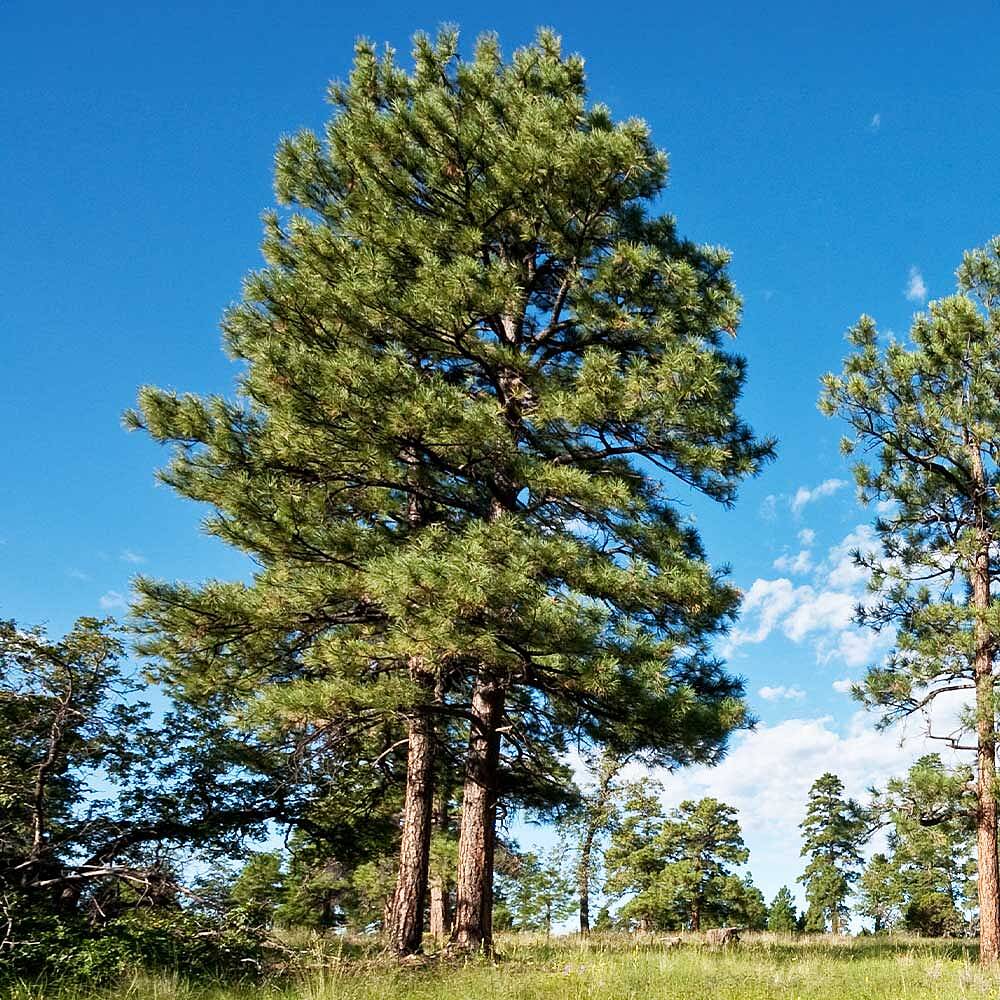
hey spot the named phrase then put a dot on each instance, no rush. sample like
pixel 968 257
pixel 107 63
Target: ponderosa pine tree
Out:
pixel 678 868
pixel 932 811
pixel 782 916
pixel 929 411
pixel 832 835
pixel 879 892
pixel 472 359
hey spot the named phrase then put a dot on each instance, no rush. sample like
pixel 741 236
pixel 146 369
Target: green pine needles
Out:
pixel 476 368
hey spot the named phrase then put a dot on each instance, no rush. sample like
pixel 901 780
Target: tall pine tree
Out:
pixel 472 360
pixel 832 835
pixel 927 411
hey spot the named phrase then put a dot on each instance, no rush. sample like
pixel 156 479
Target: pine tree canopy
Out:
pixel 926 410
pixel 475 368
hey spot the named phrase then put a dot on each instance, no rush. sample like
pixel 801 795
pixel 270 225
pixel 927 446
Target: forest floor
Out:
pixel 614 967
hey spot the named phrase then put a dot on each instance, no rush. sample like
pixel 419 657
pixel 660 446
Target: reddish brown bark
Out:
pixel 986 739
pixel 473 930
pixel 406 914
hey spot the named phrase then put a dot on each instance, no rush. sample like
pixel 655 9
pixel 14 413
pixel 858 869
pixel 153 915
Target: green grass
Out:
pixel 611 967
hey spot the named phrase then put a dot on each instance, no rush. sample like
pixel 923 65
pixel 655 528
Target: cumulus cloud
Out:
pixel 799 563
pixel 916 290
pixel 804 496
pixel 112 600
pixel 807 536
pixel 820 611
pixel 767 601
pixel 781 693
pixel 843 685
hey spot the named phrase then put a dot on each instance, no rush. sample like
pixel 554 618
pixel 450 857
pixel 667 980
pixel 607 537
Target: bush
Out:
pixel 58 948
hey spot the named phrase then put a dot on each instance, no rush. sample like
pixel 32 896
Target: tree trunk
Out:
pixel 440 920
pixel 986 812
pixel 583 879
pixel 835 919
pixel 406 921
pixel 473 930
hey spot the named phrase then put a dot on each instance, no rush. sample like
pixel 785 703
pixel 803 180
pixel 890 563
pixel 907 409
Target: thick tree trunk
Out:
pixel 440 919
pixel 986 812
pixel 406 920
pixel 473 930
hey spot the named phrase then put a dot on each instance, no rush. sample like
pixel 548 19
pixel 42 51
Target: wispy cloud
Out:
pixel 129 556
pixel 876 123
pixel 916 290
pixel 78 574
pixel 804 496
pixel 781 693
pixel 807 536
pixel 113 601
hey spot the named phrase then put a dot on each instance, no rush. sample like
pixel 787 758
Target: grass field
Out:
pixel 612 967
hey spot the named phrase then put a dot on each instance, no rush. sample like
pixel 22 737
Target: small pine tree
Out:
pixel 782 916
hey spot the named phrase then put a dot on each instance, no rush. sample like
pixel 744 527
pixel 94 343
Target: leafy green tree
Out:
pixel 591 821
pixel 677 868
pixel 259 889
pixel 783 915
pixel 97 794
pixel 633 858
pixel 741 904
pixel 471 358
pixel 932 812
pixel 604 922
pixel 832 835
pixel 318 890
pixel 880 892
pixel 927 410
pixel 538 892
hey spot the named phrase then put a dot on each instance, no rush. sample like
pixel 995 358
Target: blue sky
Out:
pixel 846 155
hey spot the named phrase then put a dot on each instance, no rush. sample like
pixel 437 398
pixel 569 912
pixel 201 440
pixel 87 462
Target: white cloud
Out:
pixel 876 123
pixel 768 600
pixel 799 563
pixel 916 290
pixel 768 507
pixel 113 600
pixel 806 537
pixel 132 557
pixel 821 610
pixel 825 611
pixel 839 566
pixel 77 574
pixel 781 693
pixel 844 685
pixel 805 496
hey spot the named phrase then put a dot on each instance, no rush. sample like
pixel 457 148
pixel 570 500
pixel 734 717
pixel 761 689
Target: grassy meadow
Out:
pixel 605 967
